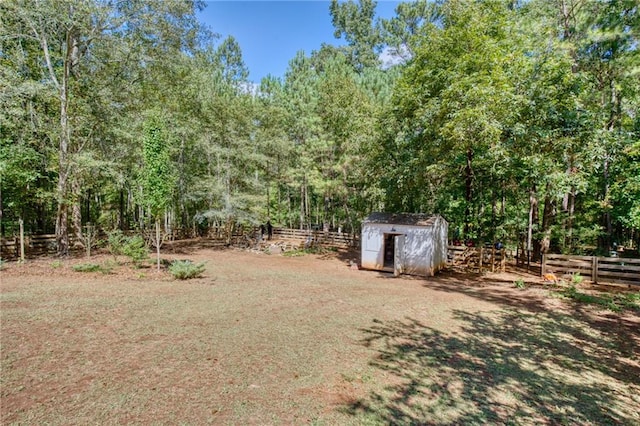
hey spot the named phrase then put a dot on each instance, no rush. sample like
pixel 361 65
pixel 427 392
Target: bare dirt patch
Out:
pixel 265 339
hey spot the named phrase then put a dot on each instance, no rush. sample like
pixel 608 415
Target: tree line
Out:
pixel 516 120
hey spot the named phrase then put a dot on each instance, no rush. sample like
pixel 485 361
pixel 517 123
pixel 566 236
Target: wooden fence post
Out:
pixel 594 269
pixel 21 222
pixel 493 258
pixel 543 266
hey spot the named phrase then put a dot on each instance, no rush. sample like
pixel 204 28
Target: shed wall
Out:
pixel 425 247
pixel 418 247
pixel 440 237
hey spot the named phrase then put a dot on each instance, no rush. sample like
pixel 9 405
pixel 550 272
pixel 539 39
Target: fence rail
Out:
pixel 614 270
pixel 321 238
pixel 38 245
pixel 34 245
pixel 477 258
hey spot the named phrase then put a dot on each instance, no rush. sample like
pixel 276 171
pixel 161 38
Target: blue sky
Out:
pixel 271 32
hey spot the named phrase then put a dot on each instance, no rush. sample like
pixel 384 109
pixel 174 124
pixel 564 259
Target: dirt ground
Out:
pixel 268 339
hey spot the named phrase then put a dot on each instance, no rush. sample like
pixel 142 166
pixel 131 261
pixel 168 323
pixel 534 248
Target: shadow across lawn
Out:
pixel 507 366
pixel 622 329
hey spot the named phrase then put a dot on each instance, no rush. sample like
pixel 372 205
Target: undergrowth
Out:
pixel 613 302
pixel 132 247
pixel 519 283
pixel 185 269
pixel 87 267
pixel 93 267
pixel 310 250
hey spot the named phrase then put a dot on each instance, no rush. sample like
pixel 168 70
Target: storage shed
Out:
pixel 404 243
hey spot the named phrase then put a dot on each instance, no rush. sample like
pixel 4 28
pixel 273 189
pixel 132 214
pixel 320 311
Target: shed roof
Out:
pixel 416 219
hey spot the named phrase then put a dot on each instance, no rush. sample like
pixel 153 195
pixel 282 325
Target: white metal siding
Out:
pixel 425 247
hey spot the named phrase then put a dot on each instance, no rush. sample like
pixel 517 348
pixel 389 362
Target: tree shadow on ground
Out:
pixel 623 328
pixel 501 367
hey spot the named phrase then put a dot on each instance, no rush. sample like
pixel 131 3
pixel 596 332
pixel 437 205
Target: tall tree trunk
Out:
pixel 548 216
pixel 494 213
pixel 62 221
pixel 1 209
pixel 76 213
pixel 302 210
pixel 612 123
pixel 268 200
pixel 62 233
pixel 607 208
pixel 121 215
pixel 158 242
pixel 468 192
pixel 533 216
pixel 568 206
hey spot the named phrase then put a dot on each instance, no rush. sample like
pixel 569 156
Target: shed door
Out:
pixel 398 258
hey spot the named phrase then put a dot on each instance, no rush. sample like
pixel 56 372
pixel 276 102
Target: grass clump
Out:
pixel 519 283
pixel 87 267
pixel 56 264
pixel 185 269
pixel 308 250
pixel 576 278
pixel 93 267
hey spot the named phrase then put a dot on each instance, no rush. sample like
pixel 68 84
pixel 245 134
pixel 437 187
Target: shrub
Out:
pixel 135 249
pixel 115 243
pixel 185 269
pixel 132 247
pixel 576 279
pixel 87 267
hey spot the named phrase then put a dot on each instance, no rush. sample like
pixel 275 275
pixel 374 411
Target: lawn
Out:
pixel 267 339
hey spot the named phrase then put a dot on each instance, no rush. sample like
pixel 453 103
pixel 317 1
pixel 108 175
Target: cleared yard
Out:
pixel 265 339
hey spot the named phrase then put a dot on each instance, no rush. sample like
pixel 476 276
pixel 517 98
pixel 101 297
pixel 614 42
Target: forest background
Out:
pixel 516 120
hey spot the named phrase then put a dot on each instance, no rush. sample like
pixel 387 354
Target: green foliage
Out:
pixel 185 269
pixel 615 302
pixel 355 22
pixel 56 264
pixel 87 267
pixel 576 279
pixel 157 179
pixel 491 107
pixel 133 247
pixel 310 250
pixel 630 300
pixel 519 283
pixel 115 242
pixel 106 268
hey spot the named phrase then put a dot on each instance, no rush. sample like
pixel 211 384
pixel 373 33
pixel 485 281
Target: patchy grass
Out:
pixel 615 302
pixel 305 340
pixel 519 283
pixel 105 268
pixel 86 267
pixel 503 367
pixel 310 250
